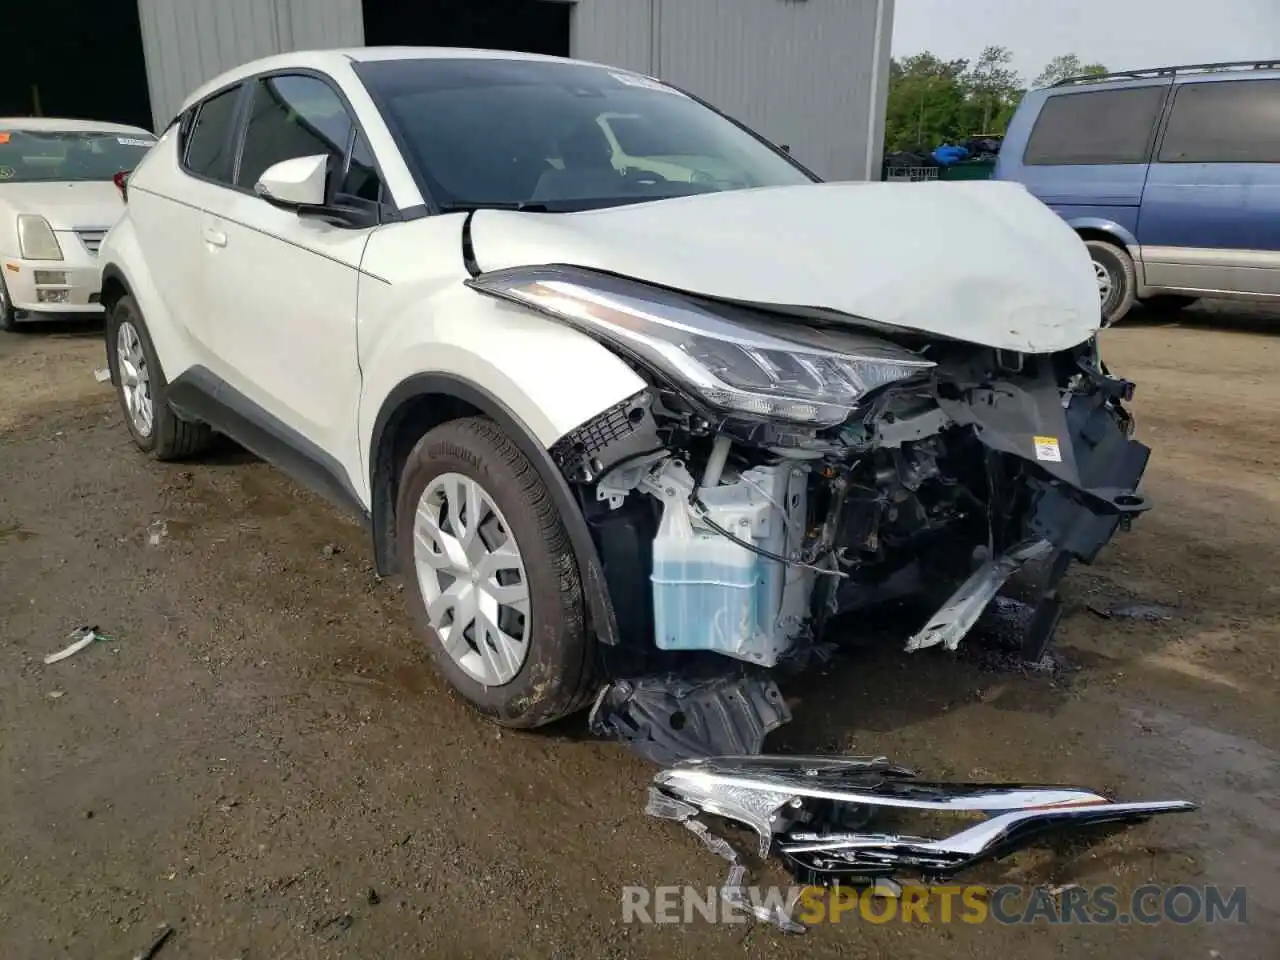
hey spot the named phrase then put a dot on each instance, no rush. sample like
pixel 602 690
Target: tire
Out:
pixel 8 319
pixel 168 437
pixel 554 679
pixel 1121 276
pixel 1168 302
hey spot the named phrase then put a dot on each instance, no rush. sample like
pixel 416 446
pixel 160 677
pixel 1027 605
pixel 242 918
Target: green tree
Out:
pixel 992 86
pixel 1065 67
pixel 926 102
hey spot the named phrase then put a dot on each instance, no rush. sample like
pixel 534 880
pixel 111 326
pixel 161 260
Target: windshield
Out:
pixel 561 135
pixel 31 156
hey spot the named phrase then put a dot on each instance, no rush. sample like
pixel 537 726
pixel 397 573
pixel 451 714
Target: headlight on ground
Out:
pixel 732 364
pixel 36 240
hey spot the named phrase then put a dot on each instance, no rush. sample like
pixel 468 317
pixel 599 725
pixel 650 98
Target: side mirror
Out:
pixel 295 184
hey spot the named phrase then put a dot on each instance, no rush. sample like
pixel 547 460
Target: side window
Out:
pixel 299 116
pixel 1229 121
pixel 1097 126
pixel 208 144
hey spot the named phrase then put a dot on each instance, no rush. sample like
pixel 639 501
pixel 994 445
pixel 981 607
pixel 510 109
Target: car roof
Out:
pixel 49 124
pixel 334 61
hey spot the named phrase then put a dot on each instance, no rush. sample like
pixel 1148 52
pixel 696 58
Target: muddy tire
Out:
pixel 1117 279
pixel 143 391
pixel 491 577
pixel 8 317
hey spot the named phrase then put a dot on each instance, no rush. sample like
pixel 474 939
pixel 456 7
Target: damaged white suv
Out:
pixel 615 382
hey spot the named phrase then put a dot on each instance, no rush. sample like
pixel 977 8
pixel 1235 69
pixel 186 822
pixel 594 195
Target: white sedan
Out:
pixel 613 400
pixel 60 192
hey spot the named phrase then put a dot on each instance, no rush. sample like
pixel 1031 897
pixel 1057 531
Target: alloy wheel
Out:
pixel 135 379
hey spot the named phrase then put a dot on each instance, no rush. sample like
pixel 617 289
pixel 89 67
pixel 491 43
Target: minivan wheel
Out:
pixel 491 576
pixel 1117 279
pixel 143 390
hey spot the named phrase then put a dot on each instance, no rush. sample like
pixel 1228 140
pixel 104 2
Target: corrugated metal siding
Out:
pixel 811 74
pixel 188 42
pixel 616 32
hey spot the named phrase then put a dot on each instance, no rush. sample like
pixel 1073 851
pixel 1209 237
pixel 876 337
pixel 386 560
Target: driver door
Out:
pixel 281 288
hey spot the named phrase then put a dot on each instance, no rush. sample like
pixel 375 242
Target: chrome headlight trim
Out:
pixel 734 367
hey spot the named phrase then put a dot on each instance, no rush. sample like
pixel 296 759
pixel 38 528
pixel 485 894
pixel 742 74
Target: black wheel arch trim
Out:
pixel 112 272
pixel 382 483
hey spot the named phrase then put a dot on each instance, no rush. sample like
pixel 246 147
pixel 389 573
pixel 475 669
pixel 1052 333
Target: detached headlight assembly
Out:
pixel 36 240
pixel 731 366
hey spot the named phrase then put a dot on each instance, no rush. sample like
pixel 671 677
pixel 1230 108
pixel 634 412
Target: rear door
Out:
pixel 1086 154
pixel 1211 212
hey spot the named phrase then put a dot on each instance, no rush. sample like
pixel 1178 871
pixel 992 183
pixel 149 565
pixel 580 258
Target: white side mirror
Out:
pixel 299 182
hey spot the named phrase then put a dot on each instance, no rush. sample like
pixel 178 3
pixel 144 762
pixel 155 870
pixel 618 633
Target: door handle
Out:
pixel 215 238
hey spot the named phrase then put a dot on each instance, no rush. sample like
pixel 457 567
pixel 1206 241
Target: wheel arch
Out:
pixel 424 401
pixel 115 285
pixel 1096 228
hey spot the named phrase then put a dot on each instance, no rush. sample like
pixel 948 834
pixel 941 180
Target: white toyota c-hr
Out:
pixel 617 384
pixel 59 193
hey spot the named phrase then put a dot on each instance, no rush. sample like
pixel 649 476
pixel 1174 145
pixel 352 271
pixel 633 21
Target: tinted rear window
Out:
pixel 1231 121
pixel 1096 126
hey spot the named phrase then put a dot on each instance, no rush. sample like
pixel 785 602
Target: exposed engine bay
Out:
pixel 804 468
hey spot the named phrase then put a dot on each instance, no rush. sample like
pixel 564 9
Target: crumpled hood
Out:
pixel 93 205
pixel 981 261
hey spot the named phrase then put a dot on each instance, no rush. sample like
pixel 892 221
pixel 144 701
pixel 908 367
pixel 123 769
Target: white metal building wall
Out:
pixel 812 74
pixel 187 42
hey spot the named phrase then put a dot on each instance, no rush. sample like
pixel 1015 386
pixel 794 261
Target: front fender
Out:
pixel 552 377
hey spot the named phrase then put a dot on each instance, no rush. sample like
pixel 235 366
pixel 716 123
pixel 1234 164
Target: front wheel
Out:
pixel 491 576
pixel 1117 280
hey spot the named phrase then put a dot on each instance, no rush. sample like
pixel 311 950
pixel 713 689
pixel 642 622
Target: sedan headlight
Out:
pixel 36 240
pixel 731 364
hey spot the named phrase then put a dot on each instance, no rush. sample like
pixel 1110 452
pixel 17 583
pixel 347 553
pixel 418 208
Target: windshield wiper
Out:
pixel 465 206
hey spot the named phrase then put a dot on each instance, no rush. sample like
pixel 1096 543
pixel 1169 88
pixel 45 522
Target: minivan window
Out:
pixel 1229 121
pixel 208 147
pixel 1095 126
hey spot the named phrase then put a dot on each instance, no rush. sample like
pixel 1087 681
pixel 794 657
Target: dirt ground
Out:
pixel 262 758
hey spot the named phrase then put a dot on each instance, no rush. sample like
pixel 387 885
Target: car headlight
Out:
pixel 36 240
pixel 731 364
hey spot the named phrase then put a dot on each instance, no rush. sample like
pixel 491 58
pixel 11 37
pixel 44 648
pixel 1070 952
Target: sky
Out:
pixel 1120 34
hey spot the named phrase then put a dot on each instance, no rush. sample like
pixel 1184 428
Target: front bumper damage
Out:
pixel 819 815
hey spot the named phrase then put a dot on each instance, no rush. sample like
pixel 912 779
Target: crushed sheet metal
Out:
pixel 958 615
pixel 815 813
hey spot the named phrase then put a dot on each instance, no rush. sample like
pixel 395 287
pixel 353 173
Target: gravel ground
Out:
pixel 262 758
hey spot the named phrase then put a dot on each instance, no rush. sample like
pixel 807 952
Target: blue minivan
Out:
pixel 1171 177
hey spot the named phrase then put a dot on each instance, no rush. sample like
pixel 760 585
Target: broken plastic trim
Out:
pixel 667 718
pixel 812 811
